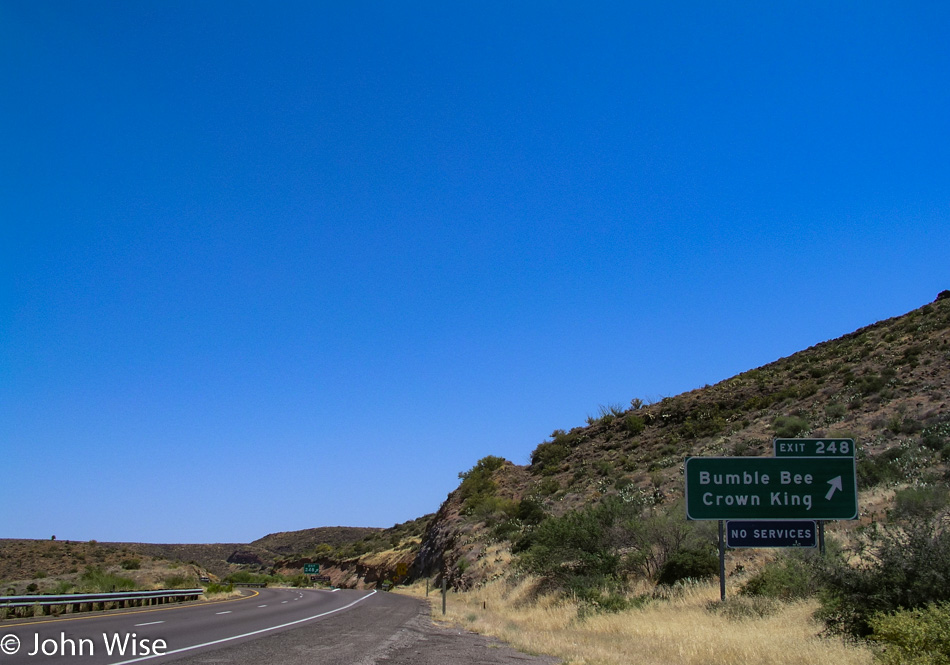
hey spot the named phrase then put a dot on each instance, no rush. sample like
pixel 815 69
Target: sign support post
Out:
pixel 722 564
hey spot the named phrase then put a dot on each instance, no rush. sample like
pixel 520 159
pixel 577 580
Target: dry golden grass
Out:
pixel 679 631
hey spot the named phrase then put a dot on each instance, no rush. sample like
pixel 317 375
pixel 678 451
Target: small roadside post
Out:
pixel 722 564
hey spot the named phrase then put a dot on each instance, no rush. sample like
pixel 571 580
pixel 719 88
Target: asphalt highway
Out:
pixel 169 632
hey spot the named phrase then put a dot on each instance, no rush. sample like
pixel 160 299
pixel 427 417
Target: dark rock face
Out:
pixel 245 557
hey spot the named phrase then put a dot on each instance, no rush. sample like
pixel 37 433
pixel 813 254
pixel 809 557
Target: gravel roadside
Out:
pixel 387 629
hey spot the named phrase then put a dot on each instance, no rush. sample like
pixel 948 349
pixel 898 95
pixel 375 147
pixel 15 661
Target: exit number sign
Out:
pixel 814 447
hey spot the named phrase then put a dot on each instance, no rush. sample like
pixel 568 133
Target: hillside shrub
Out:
pixel 634 424
pixel 131 564
pixel 577 550
pixel 247 577
pixel 920 503
pixel 477 485
pixel 790 577
pixel 789 427
pixel 547 456
pixel 97 580
pixel 904 567
pixel 178 582
pixel 914 637
pixel 214 587
pixel 879 469
pixel 689 564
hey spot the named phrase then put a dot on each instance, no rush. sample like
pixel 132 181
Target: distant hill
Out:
pixel 295 542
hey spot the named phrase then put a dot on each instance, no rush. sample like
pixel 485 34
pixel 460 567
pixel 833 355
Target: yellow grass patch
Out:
pixel 679 631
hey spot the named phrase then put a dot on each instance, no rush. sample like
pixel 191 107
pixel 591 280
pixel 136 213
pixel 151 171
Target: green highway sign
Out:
pixel 311 568
pixel 814 447
pixel 771 488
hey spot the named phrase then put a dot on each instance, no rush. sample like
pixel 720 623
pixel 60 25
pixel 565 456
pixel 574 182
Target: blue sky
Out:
pixel 271 266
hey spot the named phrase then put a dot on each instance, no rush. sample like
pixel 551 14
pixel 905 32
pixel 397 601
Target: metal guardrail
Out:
pixel 259 585
pixel 116 599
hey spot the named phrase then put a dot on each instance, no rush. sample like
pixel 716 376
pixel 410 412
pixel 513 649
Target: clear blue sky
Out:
pixel 341 251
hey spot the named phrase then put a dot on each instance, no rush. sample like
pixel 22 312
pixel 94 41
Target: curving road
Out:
pixel 279 626
pixel 138 635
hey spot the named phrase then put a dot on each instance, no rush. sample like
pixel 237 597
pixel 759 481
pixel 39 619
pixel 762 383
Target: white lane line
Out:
pixel 253 632
pixel 284 602
pixel 150 623
pixel 262 605
pixel 228 612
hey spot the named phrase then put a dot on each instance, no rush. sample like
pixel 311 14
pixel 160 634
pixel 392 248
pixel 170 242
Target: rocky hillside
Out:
pixel 887 386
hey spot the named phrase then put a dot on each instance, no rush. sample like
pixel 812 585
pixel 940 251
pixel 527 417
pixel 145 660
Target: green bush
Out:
pixel 905 568
pixel 530 511
pixel 577 550
pixel 247 577
pixel 634 424
pixel 178 582
pixel 689 564
pixel 789 427
pixel 477 484
pixel 836 410
pixel 916 503
pixel 914 637
pixel 548 456
pixel 131 564
pixel 214 587
pixel 300 580
pixel 880 469
pixel 97 580
pixel 743 608
pixel 790 577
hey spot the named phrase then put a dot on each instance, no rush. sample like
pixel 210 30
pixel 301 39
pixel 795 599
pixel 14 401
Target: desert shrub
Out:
pixel 742 608
pixel 247 577
pixel 914 637
pixel 477 484
pixel 492 509
pixel 131 564
pixel 790 577
pixel 95 580
pixel 580 549
pixel 634 424
pixel 178 582
pixel 836 410
pixel 214 587
pixel 691 564
pixel 548 456
pixel 903 568
pixel 879 469
pixel 530 511
pixel 923 502
pixel 789 427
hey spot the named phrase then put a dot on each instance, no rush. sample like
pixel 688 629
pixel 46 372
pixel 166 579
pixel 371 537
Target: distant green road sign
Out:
pixel 771 488
pixel 814 447
pixel 311 568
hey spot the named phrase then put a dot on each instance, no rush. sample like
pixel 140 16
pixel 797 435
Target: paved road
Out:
pixel 280 626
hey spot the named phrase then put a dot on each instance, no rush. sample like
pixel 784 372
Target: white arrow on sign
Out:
pixel 835 485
